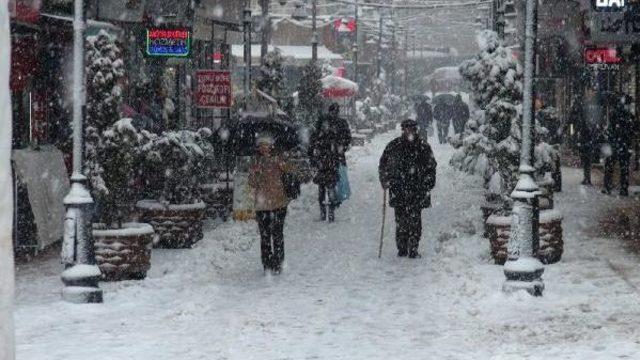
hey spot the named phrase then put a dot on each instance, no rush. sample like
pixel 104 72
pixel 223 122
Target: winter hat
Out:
pixel 409 123
pixel 265 138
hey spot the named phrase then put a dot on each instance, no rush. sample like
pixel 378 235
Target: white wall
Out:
pixel 6 203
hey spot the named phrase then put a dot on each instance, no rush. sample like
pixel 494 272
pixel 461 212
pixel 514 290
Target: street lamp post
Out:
pixel 81 273
pixel 246 30
pixel 314 39
pixel 266 30
pixel 355 46
pixel 523 271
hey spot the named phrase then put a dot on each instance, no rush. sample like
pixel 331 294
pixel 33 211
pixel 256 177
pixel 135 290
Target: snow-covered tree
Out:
pixel 104 69
pixel 271 80
pixel 490 145
pixel 310 100
pixel 180 159
pixel 117 157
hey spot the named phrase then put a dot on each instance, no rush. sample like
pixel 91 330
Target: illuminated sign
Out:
pixel 601 56
pixel 168 42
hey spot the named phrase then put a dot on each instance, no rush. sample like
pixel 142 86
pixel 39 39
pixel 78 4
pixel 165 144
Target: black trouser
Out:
pixel 586 159
pixel 443 130
pixel 271 226
pixel 622 157
pixel 408 228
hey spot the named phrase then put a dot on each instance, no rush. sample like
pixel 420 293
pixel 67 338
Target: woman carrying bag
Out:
pixel 269 177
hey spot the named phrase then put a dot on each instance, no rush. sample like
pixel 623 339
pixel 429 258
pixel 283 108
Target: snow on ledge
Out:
pixel 154 205
pixel 81 271
pixel 128 229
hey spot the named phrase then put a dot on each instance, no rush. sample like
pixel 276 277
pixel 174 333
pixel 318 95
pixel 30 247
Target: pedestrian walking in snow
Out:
pixel 442 115
pixel 587 118
pixel 408 170
pixel 266 178
pixel 329 142
pixel 619 134
pixel 460 115
pixel 424 118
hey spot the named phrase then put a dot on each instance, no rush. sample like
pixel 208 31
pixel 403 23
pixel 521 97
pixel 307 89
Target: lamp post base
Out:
pixel 81 284
pixel 524 274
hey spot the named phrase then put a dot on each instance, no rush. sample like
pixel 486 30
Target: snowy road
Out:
pixel 336 300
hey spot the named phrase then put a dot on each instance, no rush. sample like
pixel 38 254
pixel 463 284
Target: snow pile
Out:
pixel 490 144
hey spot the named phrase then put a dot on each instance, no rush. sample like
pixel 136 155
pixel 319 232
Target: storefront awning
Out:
pixel 93 26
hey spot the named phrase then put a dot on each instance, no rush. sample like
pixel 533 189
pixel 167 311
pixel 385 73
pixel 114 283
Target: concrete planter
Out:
pixel 123 254
pixel 550 233
pixel 176 226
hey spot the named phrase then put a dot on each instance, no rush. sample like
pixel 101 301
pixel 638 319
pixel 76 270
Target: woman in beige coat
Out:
pixel 265 177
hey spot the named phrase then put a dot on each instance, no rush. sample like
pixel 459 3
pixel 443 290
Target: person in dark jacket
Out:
pixel 587 118
pixel 460 115
pixel 424 118
pixel 408 170
pixel 442 115
pixel 619 135
pixel 328 144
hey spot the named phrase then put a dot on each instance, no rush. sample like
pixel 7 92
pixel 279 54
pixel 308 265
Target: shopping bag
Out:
pixel 343 189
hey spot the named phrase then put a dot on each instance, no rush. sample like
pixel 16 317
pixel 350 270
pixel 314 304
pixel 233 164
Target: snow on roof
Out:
pixel 445 73
pixel 288 51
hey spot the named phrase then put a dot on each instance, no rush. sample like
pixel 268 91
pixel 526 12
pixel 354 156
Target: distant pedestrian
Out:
pixel 460 114
pixel 442 115
pixel 619 134
pixel 424 118
pixel 266 178
pixel 408 170
pixel 586 116
pixel 329 142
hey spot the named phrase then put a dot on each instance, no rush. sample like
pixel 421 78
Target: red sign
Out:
pixel 213 89
pixel 601 56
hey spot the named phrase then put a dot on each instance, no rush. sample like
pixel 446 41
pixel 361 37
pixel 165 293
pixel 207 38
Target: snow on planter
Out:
pixel 124 253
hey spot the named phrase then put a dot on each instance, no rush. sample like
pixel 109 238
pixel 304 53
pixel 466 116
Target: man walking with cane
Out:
pixel 408 170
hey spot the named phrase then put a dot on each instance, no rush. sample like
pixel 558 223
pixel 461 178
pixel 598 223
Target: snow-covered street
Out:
pixel 336 300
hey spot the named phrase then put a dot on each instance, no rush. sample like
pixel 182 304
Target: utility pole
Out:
pixel 499 23
pixel 394 57
pixel 266 30
pixel 355 46
pixel 523 270
pixel 406 62
pixel 81 273
pixel 314 40
pixel 379 54
pixel 246 30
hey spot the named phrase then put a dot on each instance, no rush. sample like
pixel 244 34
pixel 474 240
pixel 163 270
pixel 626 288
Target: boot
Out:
pixel 323 212
pixel 332 213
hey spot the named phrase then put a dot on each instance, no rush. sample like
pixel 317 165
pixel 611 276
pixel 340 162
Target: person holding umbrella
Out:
pixel 408 170
pixel 329 142
pixel 266 178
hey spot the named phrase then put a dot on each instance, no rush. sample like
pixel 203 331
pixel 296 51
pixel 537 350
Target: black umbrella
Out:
pixel 244 134
pixel 444 99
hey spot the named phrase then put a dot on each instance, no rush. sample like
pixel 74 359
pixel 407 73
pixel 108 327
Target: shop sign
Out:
pixel 608 5
pixel 213 89
pixel 601 56
pixel 615 27
pixel 168 42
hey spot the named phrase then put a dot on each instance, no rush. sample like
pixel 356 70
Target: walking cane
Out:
pixel 384 217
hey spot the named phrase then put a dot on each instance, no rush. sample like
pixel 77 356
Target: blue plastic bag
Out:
pixel 343 189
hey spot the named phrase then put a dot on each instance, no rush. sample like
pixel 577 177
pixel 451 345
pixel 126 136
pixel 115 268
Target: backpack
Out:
pixel 291 185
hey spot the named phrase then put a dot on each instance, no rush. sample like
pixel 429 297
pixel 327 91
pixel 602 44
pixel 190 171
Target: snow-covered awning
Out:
pixel 93 26
pixel 292 54
pixel 334 87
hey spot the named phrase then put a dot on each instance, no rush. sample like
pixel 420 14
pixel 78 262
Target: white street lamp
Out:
pixel 523 270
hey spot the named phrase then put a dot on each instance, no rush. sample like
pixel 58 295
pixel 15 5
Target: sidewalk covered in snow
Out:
pixel 337 300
